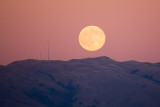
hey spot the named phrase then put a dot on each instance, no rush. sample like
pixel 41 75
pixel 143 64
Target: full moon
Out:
pixel 92 38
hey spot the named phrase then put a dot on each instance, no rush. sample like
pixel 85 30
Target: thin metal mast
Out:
pixel 48 50
pixel 40 56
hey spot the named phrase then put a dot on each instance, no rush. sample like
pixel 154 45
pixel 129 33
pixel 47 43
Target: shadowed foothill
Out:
pixel 89 82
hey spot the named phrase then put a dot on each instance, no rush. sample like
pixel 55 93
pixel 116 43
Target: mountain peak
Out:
pixel 101 58
pixel 87 82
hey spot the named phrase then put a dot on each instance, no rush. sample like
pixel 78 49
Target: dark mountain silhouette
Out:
pixel 1 66
pixel 90 82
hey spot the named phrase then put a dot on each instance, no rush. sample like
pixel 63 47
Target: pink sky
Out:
pixel 132 29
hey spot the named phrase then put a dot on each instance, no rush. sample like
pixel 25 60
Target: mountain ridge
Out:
pixel 91 58
pixel 88 82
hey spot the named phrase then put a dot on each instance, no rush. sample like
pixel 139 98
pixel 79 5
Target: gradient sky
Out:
pixel 132 29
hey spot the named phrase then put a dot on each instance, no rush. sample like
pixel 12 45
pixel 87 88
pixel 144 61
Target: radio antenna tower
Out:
pixel 40 56
pixel 48 50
